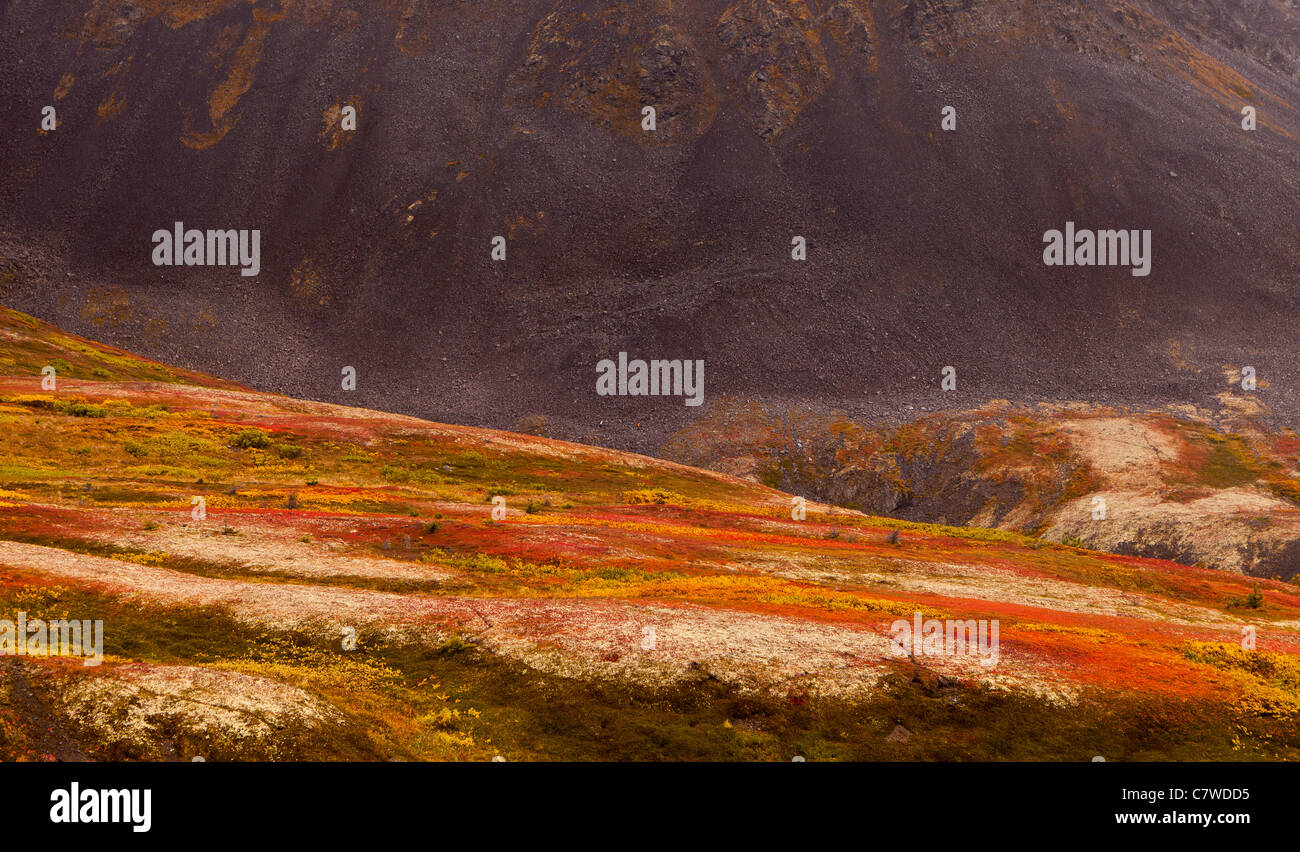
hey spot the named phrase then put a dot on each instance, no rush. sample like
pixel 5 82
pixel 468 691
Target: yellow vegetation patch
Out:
pixel 1269 683
pixel 1035 627
pixel 151 558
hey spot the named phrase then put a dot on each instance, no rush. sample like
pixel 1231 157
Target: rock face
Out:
pixel 774 119
pixel 899 735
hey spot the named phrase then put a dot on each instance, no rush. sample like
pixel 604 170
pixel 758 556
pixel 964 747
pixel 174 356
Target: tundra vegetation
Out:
pixel 354 598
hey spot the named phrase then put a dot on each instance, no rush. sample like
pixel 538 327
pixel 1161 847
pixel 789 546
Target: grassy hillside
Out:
pixel 345 592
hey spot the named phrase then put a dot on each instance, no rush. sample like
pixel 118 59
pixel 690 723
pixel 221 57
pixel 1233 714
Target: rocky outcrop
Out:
pixel 1188 486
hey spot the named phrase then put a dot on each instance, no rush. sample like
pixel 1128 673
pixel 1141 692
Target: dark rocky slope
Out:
pixel 775 118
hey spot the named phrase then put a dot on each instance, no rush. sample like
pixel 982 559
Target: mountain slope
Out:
pixel 616 606
pixel 775 118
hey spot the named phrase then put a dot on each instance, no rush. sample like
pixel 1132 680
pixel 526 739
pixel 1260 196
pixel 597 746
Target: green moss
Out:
pixel 1229 464
pixel 251 439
